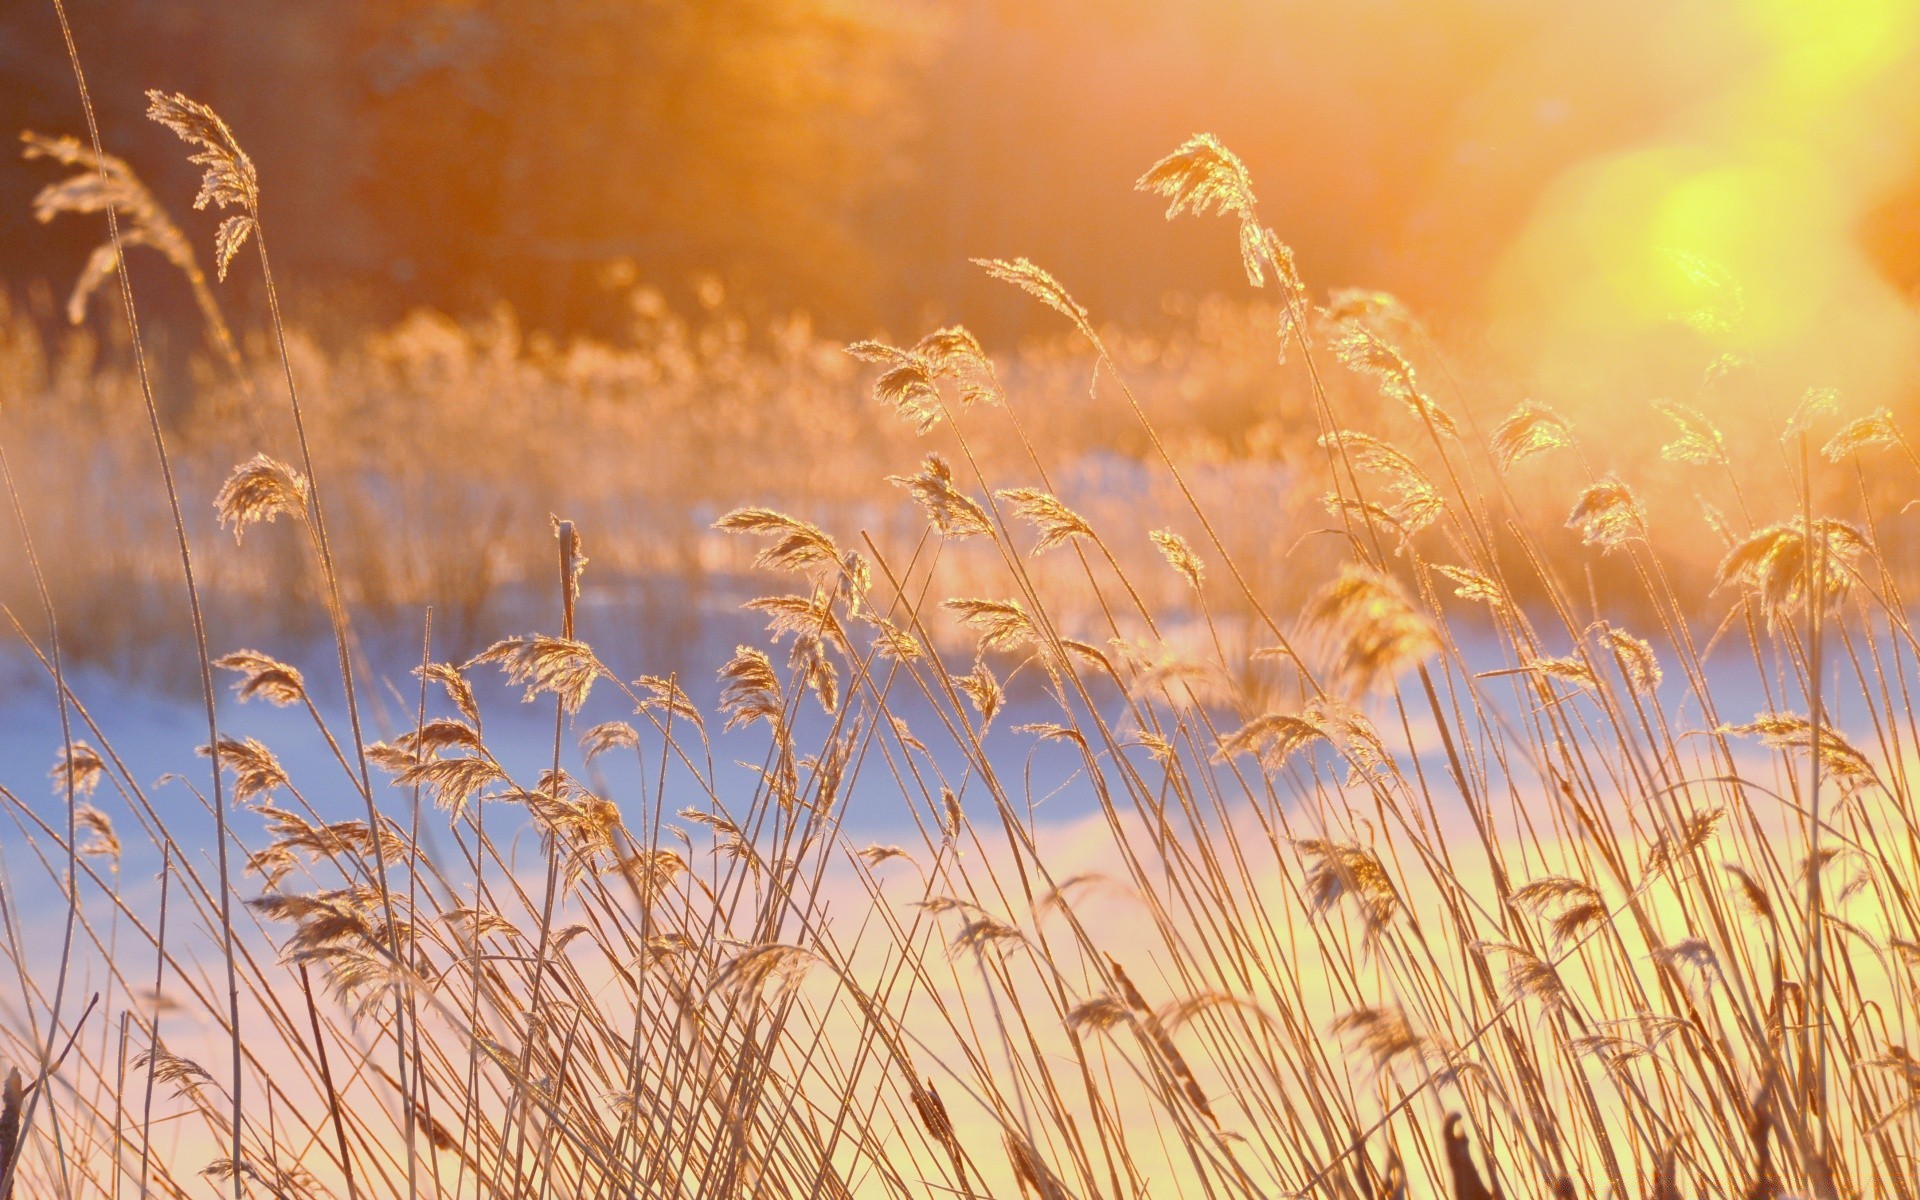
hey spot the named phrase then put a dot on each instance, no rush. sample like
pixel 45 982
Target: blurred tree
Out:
pixel 520 146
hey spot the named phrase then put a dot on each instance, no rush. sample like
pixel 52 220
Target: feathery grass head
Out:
pixel 229 180
pixel 1784 566
pixel 1608 515
pixel 910 383
pixel 1341 871
pixel 1180 556
pixel 1043 287
pixel 263 678
pixel 561 666
pixel 105 182
pixel 1057 523
pixel 256 772
pixel 954 513
pixel 78 768
pixel 796 545
pixel 1528 430
pixel 1700 442
pixel 1363 350
pixel 1375 631
pixel 1862 433
pixel 261 489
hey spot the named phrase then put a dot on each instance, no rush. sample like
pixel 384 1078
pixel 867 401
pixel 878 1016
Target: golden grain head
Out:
pixel 1338 871
pixel 562 667
pixel 1382 1033
pixel 1375 632
pixel 981 687
pixel 97 828
pixel 1608 515
pixel 1180 556
pixel 607 737
pixel 750 689
pixel 453 782
pixel 954 513
pixel 1529 430
pixel 1272 737
pixel 1862 433
pixel 1472 585
pixel 79 769
pixel 1361 349
pixel 1202 176
pixel 229 179
pixel 1788 731
pixel 796 545
pixel 454 682
pixel 1041 286
pixel 1001 624
pixel 1700 442
pixel 1057 523
pixel 263 678
pixel 261 489
pixel 256 772
pixel 1785 567
pixel 1635 657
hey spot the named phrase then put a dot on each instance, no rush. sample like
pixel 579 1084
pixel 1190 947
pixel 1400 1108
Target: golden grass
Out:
pixel 1463 859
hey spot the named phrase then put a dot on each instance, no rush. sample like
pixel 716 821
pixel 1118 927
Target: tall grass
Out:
pixel 1498 842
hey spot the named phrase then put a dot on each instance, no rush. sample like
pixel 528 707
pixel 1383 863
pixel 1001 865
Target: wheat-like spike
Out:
pixel 1043 287
pixel 1338 870
pixel 1815 402
pixel 984 690
pixel 261 489
pixel 1202 176
pixel 542 663
pixel 1057 523
pixel 608 736
pixel 751 689
pixel 1363 350
pixel 1778 563
pixel 1419 503
pixel 1552 890
pixel 1273 738
pixel 452 782
pixel 1608 515
pixel 229 180
pixel 667 696
pixel 1635 656
pixel 104 182
pixel 1699 443
pixel 263 678
pixel 1566 668
pixel 256 772
pixel 78 767
pixel 1001 624
pixel 454 682
pixel 1100 1014
pixel 101 839
pixel 1472 585
pixel 954 513
pixel 1690 833
pixel 1375 631
pixel 1382 1033
pixel 797 545
pixel 1529 430
pixel 1791 731
pixel 1862 433
pixel 1180 556
pixel 803 618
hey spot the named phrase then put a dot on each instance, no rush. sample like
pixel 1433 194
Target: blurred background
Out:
pixel 610 250
pixel 1475 157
